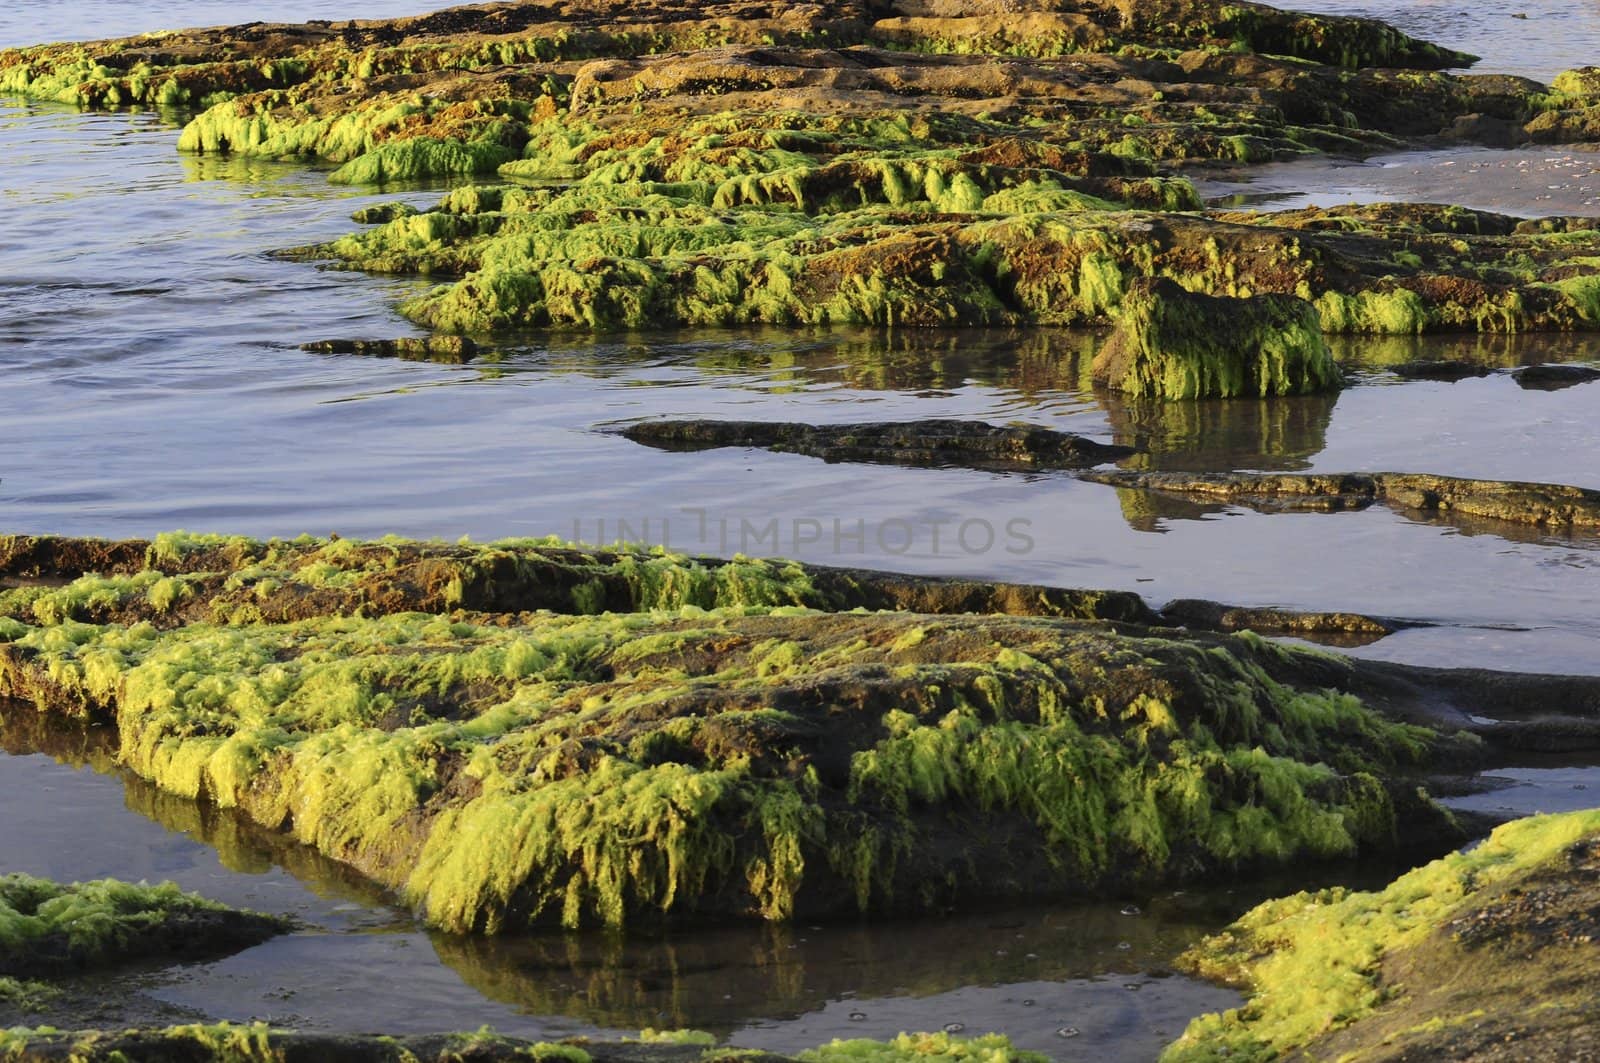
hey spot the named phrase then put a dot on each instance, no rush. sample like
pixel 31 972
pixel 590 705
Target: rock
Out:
pixel 48 929
pixel 1450 371
pixel 1554 377
pixel 232 1042
pixel 889 163
pixel 382 213
pixel 1491 131
pixel 1212 616
pixel 1584 81
pixel 1546 505
pixel 739 756
pixel 1170 343
pixel 1444 963
pixel 447 350
pixel 928 443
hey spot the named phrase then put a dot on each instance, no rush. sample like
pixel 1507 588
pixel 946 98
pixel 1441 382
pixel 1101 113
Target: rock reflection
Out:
pixel 241 845
pixel 1506 351
pixel 721 977
pixel 1280 434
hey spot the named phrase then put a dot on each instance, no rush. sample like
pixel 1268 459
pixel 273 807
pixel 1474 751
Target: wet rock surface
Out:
pixel 446 350
pixel 1440 370
pixel 1554 377
pixel 933 443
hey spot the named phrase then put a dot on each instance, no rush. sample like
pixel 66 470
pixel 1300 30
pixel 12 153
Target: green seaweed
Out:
pixel 1172 344
pixel 1313 962
pixel 45 926
pixel 361 723
pixel 990 1048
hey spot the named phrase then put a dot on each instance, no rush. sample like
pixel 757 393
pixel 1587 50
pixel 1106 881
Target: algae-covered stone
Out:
pixel 1487 954
pixel 1584 81
pixel 715 747
pixel 446 350
pixel 47 928
pixel 1171 343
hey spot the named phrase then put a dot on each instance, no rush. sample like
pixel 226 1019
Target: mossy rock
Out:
pixel 854 162
pixel 51 929
pixel 1584 81
pixel 1171 343
pixel 716 746
pixel 1486 954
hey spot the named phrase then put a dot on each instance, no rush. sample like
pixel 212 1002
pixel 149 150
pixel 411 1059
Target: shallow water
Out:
pixel 1546 784
pixel 1531 38
pixel 151 381
pixel 1523 182
pixel 361 963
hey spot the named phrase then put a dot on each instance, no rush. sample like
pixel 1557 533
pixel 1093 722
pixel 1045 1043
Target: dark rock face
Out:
pixel 968 444
pixel 1442 370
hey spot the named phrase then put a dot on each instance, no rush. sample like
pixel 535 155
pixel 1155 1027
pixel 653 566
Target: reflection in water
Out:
pixel 240 845
pixel 1145 511
pixel 719 978
pixel 1496 351
pixel 1278 434
pixel 1028 973
pixel 1029 362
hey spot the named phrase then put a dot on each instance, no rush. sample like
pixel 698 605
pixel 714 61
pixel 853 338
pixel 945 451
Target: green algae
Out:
pixel 25 995
pixel 713 168
pixel 1313 962
pixel 354 734
pixel 990 1048
pixel 260 1043
pixel 46 927
pixel 1173 344
pixel 677 1037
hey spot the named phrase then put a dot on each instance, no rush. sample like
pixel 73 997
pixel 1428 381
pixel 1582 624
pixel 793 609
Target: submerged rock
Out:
pixel 1171 343
pixel 1440 370
pixel 448 350
pixel 1486 954
pixel 49 929
pixel 1554 377
pixel 967 444
pixel 1556 506
pixel 382 213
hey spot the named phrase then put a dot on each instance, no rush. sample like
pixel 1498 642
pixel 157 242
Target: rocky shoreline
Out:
pixel 865 161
